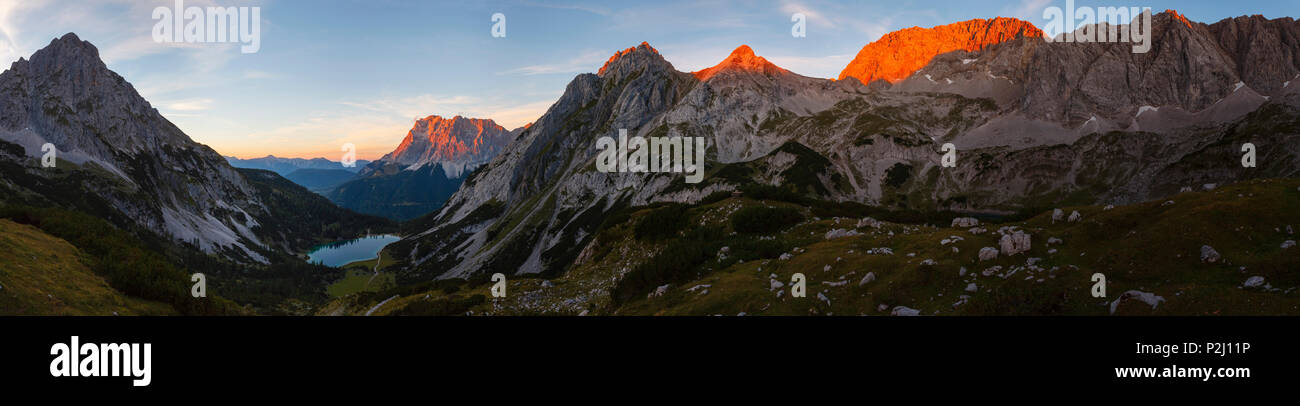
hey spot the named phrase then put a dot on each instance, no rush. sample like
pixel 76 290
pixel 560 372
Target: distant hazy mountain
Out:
pixel 285 166
pixel 425 169
pixel 320 180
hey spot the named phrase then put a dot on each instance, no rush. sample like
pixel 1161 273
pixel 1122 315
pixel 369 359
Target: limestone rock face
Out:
pixel 154 174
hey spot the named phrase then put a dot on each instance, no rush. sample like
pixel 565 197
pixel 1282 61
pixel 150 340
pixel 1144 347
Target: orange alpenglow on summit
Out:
pixel 620 54
pixel 742 59
pixel 897 55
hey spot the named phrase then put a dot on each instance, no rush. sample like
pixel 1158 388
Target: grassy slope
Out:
pixel 44 275
pixel 1151 247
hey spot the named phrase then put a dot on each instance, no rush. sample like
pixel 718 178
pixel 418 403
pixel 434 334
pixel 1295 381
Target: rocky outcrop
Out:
pixel 965 222
pixel 1014 243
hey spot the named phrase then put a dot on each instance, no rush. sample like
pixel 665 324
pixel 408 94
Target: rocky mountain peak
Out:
pixel 742 59
pixel 897 55
pixel 454 142
pixel 1178 17
pixel 640 55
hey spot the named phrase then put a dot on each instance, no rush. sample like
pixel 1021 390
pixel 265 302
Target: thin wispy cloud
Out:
pixel 589 61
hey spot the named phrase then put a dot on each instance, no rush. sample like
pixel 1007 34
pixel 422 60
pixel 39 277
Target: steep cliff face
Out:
pixel 1266 53
pixel 897 55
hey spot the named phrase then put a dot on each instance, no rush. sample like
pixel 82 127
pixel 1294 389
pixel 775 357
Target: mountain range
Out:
pixel 823 178
pixel 1038 125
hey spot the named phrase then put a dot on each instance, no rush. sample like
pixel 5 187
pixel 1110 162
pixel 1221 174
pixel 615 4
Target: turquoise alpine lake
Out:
pixel 345 252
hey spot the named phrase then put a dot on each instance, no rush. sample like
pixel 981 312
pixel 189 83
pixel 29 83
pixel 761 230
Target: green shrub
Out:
pixel 662 223
pixel 759 219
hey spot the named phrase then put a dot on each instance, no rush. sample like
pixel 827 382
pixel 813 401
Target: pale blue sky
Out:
pixel 359 71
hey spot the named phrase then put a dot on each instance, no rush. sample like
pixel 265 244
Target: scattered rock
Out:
pixel 1254 282
pixel 871 277
pixel 1108 207
pixel 1013 244
pixel 660 291
pixel 547 284
pixel 988 253
pixel 965 222
pixel 826 268
pixel 1057 215
pixel 776 285
pixel 841 233
pixel 1185 189
pixel 869 222
pixel 1148 298
pixel 1075 216
pixel 905 311
pixel 1209 255
pixel 1288 244
pixel 584 313
pixel 1167 203
pixel 971 287
pixel 786 256
pixel 880 251
pixel 882 307
pixel 929 262
pixel 1054 240
pixel 1209 186
pixel 977 230
pixel 962 271
pixel 822 297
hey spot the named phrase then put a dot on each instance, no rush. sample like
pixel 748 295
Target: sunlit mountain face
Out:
pixel 898 54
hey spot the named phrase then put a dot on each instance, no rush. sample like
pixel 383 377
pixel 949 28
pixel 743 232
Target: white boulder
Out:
pixel 1016 243
pixel 905 311
pixel 1209 255
pixel 988 253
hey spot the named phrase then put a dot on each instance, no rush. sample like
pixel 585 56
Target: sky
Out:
pixel 334 72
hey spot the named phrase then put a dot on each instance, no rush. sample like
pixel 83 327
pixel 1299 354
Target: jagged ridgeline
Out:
pixel 169 206
pixel 1036 124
